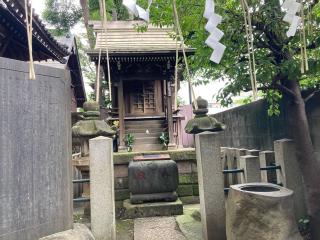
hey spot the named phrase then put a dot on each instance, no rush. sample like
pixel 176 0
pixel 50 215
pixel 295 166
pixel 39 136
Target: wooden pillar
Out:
pixel 121 109
pixel 98 84
pixel 172 144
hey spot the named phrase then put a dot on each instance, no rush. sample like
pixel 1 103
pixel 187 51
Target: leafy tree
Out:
pixel 63 16
pixel 277 63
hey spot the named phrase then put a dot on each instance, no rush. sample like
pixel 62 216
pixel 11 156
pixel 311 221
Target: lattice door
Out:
pixel 144 101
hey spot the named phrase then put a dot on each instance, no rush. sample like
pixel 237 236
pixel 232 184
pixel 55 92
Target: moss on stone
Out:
pixel 176 155
pixel 185 190
pixel 190 200
pixel 122 194
pixel 195 190
pixel 125 229
pixel 188 178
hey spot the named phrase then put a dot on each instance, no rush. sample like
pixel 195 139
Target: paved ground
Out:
pixel 183 227
pixel 157 228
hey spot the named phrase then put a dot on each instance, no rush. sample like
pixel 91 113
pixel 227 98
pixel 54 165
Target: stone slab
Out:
pixel 164 228
pixel 79 232
pixel 189 223
pixel 35 151
pixel 152 209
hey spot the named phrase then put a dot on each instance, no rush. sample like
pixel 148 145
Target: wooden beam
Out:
pixel 169 112
pixel 121 115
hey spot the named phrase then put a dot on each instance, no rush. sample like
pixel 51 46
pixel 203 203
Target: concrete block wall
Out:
pixel 188 190
pixel 249 126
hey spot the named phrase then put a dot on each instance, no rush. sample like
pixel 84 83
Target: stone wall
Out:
pixel 35 152
pixel 188 190
pixel 249 126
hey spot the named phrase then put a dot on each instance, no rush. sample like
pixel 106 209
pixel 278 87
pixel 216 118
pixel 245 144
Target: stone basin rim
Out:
pixel 267 189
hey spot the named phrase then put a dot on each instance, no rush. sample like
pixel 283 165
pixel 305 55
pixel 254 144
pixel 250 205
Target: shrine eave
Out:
pixel 137 56
pixel 12 17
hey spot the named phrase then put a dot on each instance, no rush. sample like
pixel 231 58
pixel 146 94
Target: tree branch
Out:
pixel 306 99
pixel 285 90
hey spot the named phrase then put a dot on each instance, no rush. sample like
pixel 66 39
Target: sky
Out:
pixel 206 91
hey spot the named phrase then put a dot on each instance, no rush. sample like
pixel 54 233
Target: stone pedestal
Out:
pixel 261 211
pixel 211 186
pixel 102 189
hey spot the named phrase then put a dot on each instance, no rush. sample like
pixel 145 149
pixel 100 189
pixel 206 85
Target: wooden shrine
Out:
pixel 142 69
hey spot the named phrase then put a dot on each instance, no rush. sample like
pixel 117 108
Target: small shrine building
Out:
pixel 142 70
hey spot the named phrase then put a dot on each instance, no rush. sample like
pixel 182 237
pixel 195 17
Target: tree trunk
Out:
pixel 86 14
pixel 308 162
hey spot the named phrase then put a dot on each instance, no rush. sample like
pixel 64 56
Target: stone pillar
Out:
pixel 224 165
pixel 84 146
pixel 251 166
pixel 290 174
pixel 239 153
pixel 253 152
pixel 102 189
pixel 211 186
pixel 266 159
pixel 231 154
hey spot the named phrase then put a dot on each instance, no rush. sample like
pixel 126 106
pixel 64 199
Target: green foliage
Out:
pixel 111 5
pixel 87 67
pixel 164 140
pixel 273 98
pixel 62 16
pixel 304 226
pixel 276 55
pixel 129 140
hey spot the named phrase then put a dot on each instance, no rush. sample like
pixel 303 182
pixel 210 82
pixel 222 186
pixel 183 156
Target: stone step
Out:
pixel 144 135
pixel 143 130
pixel 147 147
pixel 149 140
pixel 152 209
pixel 137 122
pixel 144 126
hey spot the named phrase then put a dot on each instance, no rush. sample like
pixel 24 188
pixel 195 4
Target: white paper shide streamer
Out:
pixel 216 34
pixel 132 6
pixel 292 8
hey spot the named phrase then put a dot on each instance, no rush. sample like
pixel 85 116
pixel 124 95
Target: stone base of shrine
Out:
pixel 154 209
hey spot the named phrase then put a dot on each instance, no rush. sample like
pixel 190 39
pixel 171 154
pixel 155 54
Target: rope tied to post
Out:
pixel 32 75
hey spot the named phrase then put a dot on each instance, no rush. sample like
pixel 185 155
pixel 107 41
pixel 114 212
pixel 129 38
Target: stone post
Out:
pixel 211 186
pixel 239 153
pixel 253 152
pixel 251 166
pixel 102 189
pixel 266 159
pixel 290 174
pixel 231 154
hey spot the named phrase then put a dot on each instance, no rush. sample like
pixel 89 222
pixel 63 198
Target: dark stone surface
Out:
pixel 152 177
pixel 35 151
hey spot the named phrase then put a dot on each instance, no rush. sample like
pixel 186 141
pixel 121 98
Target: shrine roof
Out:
pixel 122 37
pixel 13 35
